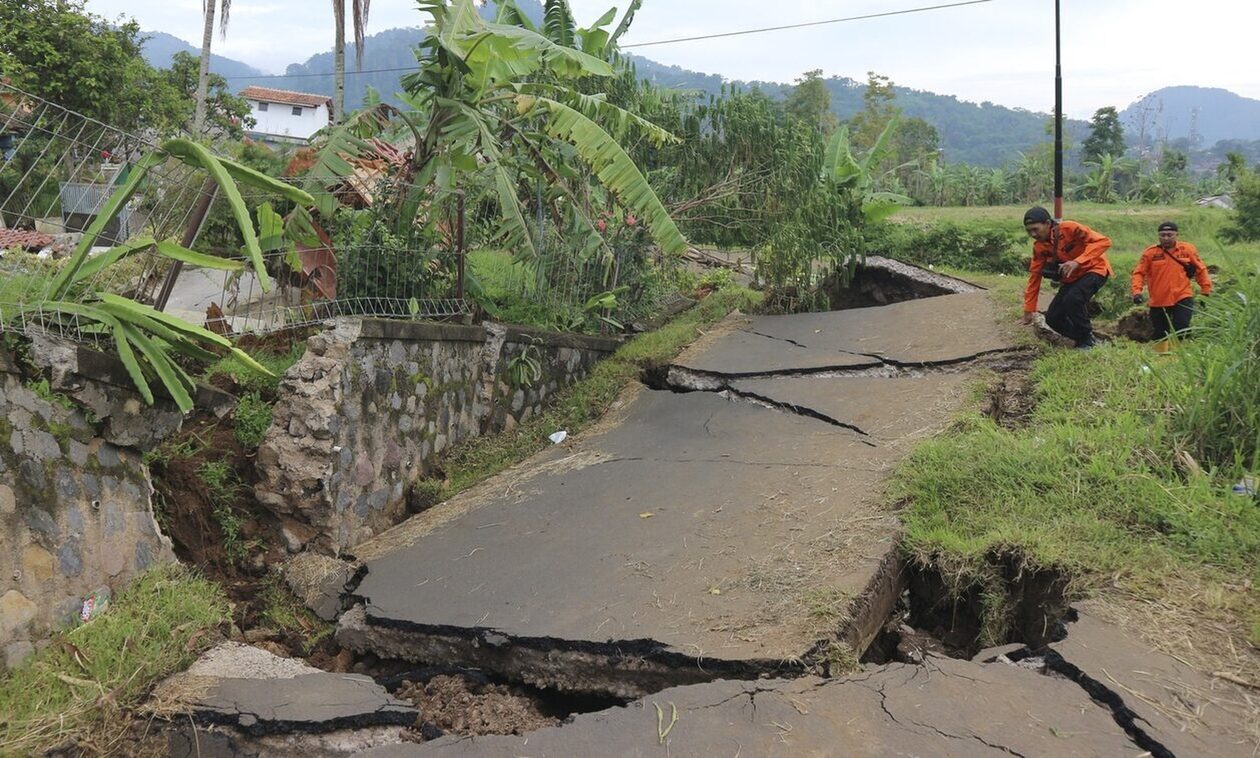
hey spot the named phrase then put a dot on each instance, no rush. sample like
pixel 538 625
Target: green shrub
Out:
pixel 975 247
pixel 1245 222
pixel 252 419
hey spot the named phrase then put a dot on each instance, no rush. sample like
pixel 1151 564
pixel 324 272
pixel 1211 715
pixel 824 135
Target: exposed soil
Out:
pixel 875 286
pixel 461 704
pixel 1136 326
pixel 956 616
pixel 1010 399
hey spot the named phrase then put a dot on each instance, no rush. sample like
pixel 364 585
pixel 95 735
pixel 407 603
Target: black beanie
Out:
pixel 1037 215
pixel 1168 226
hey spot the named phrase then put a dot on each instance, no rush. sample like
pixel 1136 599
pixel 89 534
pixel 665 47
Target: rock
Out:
pixel 258 693
pixel 320 582
pixel 296 534
pixel 37 563
pixel 16 653
pixel 16 612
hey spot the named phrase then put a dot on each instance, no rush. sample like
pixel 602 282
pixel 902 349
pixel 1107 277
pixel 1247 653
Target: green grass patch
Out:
pixel 251 420
pixel 1097 485
pixel 248 380
pixel 577 406
pixel 282 611
pixel 77 685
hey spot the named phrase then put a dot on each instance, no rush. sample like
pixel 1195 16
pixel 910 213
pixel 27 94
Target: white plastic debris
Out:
pixel 1246 486
pixel 559 437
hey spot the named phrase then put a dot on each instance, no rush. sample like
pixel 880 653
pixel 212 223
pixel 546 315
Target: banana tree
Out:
pixel 494 104
pixel 148 340
pixel 842 169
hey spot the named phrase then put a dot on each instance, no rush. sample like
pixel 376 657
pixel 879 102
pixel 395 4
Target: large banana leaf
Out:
pixel 611 164
pixel 618 120
pixel 197 154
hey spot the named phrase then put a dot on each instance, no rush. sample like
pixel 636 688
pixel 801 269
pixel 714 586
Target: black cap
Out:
pixel 1036 215
pixel 1168 226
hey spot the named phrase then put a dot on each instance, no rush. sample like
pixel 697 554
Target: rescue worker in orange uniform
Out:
pixel 1166 270
pixel 1076 257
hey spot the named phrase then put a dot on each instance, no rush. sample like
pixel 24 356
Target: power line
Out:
pixel 761 30
pixel 807 23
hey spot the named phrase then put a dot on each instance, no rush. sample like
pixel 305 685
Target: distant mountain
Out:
pixel 160 48
pixel 982 134
pixel 1202 115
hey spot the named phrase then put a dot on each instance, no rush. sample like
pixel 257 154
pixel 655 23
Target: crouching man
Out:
pixel 1076 257
pixel 1166 270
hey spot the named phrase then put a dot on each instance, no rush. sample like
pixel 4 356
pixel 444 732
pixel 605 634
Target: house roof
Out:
pixel 27 240
pixel 270 95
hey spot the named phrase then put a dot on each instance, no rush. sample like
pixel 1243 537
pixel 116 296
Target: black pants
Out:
pixel 1068 314
pixel 1176 316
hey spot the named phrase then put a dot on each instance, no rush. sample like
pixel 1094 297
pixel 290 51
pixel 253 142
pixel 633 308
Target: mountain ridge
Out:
pixel 984 134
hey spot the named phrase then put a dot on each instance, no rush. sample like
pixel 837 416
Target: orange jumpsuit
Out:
pixel 1163 272
pixel 1069 241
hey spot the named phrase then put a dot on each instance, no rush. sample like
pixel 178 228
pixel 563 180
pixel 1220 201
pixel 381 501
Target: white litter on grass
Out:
pixel 559 437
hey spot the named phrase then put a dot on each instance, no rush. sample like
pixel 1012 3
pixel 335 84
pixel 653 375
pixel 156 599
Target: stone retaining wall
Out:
pixel 75 502
pixel 367 411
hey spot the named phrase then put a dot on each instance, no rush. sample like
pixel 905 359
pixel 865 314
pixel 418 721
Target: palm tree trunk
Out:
pixel 339 60
pixel 203 80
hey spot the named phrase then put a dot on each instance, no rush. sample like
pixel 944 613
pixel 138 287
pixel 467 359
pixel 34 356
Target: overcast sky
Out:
pixel 1114 51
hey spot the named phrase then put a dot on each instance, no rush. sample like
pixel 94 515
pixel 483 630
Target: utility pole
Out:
pixel 1058 120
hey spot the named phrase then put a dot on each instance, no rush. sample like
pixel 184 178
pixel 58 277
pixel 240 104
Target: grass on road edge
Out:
pixel 77 686
pixel 585 401
pixel 1098 485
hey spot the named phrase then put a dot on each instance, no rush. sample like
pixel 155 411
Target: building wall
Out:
pixel 279 120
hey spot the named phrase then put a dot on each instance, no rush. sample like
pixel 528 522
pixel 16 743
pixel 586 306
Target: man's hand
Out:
pixel 1027 319
pixel 1138 299
pixel 1068 268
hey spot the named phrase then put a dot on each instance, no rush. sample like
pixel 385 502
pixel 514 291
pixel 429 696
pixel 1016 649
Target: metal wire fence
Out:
pixel 58 168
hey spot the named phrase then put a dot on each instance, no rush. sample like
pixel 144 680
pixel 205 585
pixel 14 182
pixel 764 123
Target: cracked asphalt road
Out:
pixel 703 531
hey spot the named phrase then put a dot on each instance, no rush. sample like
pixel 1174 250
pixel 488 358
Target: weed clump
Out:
pixel 251 420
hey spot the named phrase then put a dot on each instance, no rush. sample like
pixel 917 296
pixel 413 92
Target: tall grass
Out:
pixel 1214 380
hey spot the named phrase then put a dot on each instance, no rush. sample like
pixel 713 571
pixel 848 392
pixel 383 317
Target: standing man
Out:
pixel 1166 269
pixel 1076 257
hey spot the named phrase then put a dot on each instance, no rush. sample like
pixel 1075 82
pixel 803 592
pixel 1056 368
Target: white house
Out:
pixel 284 116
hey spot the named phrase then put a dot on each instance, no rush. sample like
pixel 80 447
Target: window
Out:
pixel 297 110
pixel 262 106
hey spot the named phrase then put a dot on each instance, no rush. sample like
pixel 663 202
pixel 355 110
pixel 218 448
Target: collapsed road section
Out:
pixel 691 537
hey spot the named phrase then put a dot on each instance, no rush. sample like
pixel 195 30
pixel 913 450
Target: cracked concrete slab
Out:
pixel 889 410
pixel 931 331
pixel 1183 710
pixel 698 536
pixel 943 708
pixel 698 531
pixel 258 693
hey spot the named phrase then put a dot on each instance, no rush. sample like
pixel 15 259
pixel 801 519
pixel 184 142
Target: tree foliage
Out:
pixel 1106 136
pixel 58 50
pixel 226 113
pixel 810 102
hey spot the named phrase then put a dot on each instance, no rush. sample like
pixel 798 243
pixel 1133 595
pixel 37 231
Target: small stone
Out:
pixel 15 654
pixel 16 611
pixel 144 556
pixel 69 559
pixel 33 474
pixel 131 407
pixel 78 453
pixel 107 455
pixel 37 563
pixel 41 522
pixel 41 445
pixel 8 503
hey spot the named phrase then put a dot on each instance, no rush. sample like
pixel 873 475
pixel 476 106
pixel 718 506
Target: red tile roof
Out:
pixel 27 240
pixel 269 95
